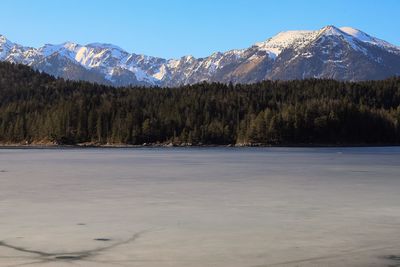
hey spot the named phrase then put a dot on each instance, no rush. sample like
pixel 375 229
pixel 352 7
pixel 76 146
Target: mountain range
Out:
pixel 336 53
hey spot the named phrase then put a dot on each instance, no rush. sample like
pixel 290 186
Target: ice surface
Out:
pixel 196 207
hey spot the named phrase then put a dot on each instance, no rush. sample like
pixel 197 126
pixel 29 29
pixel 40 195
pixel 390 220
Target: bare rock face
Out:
pixel 337 53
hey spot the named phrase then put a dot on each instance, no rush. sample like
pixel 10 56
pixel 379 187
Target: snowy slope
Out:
pixel 324 53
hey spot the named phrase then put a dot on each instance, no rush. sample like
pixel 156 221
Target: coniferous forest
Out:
pixel 38 108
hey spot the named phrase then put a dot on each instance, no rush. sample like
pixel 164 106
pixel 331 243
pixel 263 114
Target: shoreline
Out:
pixel 166 146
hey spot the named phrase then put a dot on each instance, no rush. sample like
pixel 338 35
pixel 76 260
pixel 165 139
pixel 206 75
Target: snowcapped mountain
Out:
pixel 338 53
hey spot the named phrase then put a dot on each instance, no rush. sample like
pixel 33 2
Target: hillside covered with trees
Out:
pixel 37 108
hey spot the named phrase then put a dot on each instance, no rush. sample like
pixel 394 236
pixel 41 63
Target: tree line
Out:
pixel 36 107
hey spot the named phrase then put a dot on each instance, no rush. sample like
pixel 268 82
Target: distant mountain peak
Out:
pixel 356 33
pixel 3 39
pixel 5 47
pixel 105 46
pixel 344 53
pixel 275 45
pixel 331 30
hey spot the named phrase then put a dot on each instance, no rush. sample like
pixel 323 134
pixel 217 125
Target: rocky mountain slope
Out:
pixel 338 53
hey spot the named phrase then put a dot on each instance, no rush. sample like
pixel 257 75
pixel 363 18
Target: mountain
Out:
pixel 338 53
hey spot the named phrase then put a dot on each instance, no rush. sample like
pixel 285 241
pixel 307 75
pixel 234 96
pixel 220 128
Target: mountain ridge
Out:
pixel 342 53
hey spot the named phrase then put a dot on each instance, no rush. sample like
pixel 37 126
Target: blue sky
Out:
pixel 173 28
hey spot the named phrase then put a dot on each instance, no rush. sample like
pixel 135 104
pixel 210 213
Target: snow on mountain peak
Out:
pixel 5 42
pixel 331 30
pixel 351 40
pixel 299 39
pixel 70 45
pixel 275 45
pixel 5 47
pixel 120 67
pixel 363 37
pixel 104 46
pixel 3 39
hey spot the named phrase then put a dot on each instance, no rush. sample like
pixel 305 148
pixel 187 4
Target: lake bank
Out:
pixel 170 145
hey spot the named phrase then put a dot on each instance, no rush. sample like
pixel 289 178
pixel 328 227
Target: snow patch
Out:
pixel 294 39
pixel 162 71
pixel 363 37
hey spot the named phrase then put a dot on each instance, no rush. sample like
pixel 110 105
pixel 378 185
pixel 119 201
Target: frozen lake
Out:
pixel 195 207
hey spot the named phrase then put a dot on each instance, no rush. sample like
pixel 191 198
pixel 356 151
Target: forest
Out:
pixel 36 108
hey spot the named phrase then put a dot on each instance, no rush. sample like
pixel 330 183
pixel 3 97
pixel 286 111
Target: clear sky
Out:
pixel 173 28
